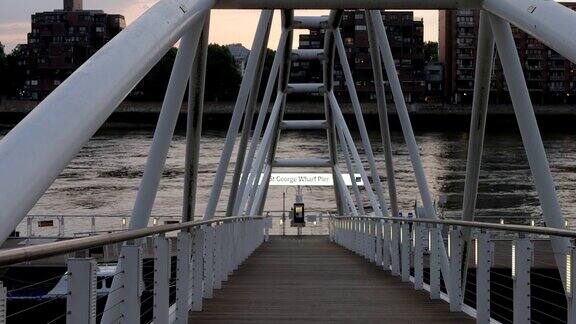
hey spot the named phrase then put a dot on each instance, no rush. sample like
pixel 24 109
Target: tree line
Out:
pixel 222 75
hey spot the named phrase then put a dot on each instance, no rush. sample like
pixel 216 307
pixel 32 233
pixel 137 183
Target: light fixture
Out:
pixel 430 240
pixel 449 246
pixel 155 221
pixel 513 260
pixel 569 274
pixel 532 222
pixel 476 252
pixel 502 221
pixel 123 221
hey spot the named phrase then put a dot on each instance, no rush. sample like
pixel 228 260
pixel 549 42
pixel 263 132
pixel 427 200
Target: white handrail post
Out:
pixel 161 278
pixel 386 244
pixel 132 290
pixel 483 258
pixel 405 244
pixel 197 269
pixel 81 298
pixel 434 249
pixel 455 248
pixel 521 262
pixel 378 244
pixel 183 265
pixel 208 262
pixel 419 232
pixel 217 256
pixel 395 248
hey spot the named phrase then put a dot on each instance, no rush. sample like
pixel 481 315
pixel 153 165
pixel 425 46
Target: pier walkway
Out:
pixel 309 279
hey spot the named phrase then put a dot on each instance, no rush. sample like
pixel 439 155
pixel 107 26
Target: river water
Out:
pixel 103 178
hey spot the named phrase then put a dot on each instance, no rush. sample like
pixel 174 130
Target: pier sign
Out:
pixel 310 179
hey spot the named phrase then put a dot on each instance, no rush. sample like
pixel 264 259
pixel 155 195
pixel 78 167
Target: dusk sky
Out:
pixel 227 26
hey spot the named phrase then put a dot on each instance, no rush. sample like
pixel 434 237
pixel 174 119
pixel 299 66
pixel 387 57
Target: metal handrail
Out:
pixel 41 251
pixel 493 226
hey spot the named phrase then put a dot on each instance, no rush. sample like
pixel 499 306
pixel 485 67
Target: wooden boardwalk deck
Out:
pixel 313 280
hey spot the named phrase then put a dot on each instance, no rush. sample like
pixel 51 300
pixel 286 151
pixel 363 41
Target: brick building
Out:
pixel 550 78
pixel 405 35
pixel 61 41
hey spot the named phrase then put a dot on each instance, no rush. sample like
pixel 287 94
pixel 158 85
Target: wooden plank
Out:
pixel 311 279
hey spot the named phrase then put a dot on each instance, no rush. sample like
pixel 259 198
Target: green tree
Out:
pixel 154 84
pixel 431 52
pixel 15 73
pixel 3 66
pixel 266 72
pixel 222 76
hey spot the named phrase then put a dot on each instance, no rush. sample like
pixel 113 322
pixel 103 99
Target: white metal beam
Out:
pixel 350 4
pixel 251 68
pixel 34 153
pixel 549 21
pixel 524 111
pixel 483 73
pixel 413 150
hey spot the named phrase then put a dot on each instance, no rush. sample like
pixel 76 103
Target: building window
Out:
pixel 349 41
pixel 360 27
pixel 34 82
pixel 99 29
pixel 57 82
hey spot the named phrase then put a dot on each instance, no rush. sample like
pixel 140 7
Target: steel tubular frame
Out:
pixel 37 149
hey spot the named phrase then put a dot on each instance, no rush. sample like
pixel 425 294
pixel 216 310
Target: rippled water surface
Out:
pixel 103 178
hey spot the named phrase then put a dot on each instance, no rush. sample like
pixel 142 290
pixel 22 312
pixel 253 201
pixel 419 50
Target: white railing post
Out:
pixel 434 241
pixel 230 252
pixel 217 256
pixel 132 275
pixel 378 245
pixel 483 258
pixel 395 253
pixel 373 237
pixel 197 269
pixel 386 237
pixel 455 248
pixel 419 232
pixel 208 262
pixel 183 255
pixel 365 238
pixel 521 263
pixel 161 279
pixel 81 298
pixel 405 243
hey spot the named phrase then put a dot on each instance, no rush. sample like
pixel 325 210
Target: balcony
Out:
pixel 465 24
pixel 557 88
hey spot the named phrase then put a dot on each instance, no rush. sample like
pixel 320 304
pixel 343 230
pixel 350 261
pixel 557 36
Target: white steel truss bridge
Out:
pixel 34 153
